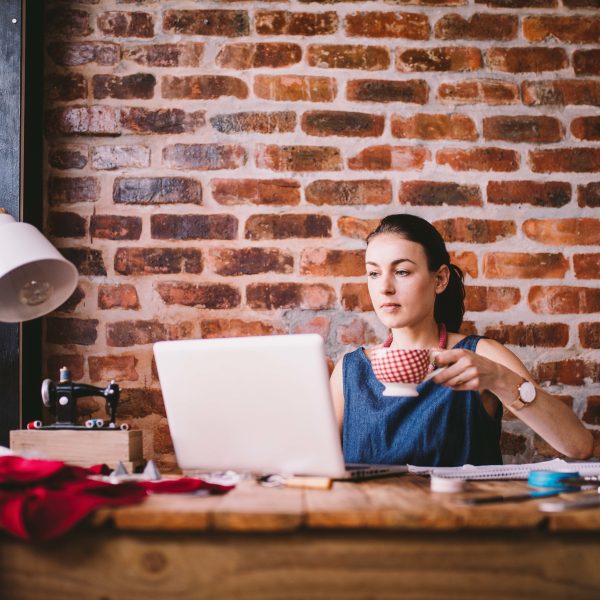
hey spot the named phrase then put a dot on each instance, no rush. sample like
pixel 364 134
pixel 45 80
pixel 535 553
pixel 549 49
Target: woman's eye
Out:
pixel 402 273
pixel 372 274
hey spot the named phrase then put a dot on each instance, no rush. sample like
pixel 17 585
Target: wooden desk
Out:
pixel 382 539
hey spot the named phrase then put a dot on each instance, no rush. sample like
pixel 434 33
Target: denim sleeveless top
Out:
pixel 439 427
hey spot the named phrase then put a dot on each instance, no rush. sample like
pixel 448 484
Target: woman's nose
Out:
pixel 387 285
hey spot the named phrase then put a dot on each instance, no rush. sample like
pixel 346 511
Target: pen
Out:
pixel 513 498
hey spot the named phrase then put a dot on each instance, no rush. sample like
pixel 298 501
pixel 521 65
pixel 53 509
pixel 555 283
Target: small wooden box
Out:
pixel 82 447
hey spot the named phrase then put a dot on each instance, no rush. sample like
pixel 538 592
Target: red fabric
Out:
pixel 43 499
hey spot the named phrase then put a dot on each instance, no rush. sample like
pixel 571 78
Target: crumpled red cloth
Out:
pixel 43 499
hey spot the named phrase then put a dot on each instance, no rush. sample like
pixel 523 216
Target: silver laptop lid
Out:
pixel 255 404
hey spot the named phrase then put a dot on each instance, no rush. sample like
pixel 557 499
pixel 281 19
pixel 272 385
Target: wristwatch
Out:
pixel 526 394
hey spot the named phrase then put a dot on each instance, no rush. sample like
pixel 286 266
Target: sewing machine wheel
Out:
pixel 47 392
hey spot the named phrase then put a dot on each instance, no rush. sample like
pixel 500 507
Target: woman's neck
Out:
pixel 426 335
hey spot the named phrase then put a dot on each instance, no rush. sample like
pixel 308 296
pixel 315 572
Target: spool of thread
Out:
pixel 99 423
pixel 90 423
pixel 447 485
pixel 34 425
pixel 124 426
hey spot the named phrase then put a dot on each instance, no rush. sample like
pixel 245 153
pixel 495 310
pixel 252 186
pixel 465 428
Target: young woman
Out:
pixel 456 419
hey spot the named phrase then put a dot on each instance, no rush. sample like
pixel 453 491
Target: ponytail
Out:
pixel 450 304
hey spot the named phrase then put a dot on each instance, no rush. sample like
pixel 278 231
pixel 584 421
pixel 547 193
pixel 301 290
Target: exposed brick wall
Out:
pixel 212 168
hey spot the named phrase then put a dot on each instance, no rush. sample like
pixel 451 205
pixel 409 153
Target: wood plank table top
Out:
pixel 400 503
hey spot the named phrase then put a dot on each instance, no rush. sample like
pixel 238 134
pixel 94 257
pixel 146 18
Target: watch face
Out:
pixel 527 392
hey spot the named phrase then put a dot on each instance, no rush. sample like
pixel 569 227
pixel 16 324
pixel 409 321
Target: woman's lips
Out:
pixel 389 307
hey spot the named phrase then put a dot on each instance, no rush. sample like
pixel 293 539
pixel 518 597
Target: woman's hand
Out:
pixel 466 370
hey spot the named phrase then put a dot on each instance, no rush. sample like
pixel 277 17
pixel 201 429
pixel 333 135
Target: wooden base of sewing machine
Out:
pixel 82 447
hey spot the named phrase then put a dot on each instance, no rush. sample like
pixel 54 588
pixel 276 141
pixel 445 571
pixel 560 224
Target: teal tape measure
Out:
pixel 566 481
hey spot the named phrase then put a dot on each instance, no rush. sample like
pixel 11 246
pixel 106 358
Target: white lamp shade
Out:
pixel 35 278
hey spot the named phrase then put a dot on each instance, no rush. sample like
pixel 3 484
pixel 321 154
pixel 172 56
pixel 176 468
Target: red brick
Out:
pixel 357 333
pixel 355 296
pixel 589 334
pixel 519 129
pixel 212 296
pixel 123 296
pixel 122 334
pixel 355 228
pixel 193 227
pixel 479 91
pixel 580 3
pixel 438 59
pixel 220 328
pixel 225 23
pixel 589 194
pixel 88 261
pixel 319 325
pixel 70 190
pixel 412 26
pixel 481 26
pixel 62 331
pixel 568 372
pixel 244 56
pixel 479 159
pixel 204 157
pixel 119 368
pixel 268 192
pixel 335 263
pixel 563 300
pixel 232 262
pixel 569 30
pixel 259 122
pixel 162 442
pixel 284 226
pixel 298 158
pixel 349 193
pixel 340 123
pixel 498 299
pixel 526 60
pixel 119 157
pixel 156 190
pixel 295 88
pixel 271 296
pixel 345 56
pixel 73 301
pixel 73 362
pixel 434 127
pixel 283 22
pixel 66 224
pixel 468 328
pixel 586 62
pixel 414 91
pixel 592 411
pixel 67 22
pixel 69 156
pixel 138 85
pixel 163 121
pixel 586 128
pixel 560 232
pixel 155 261
pixel 519 3
pixel 522 265
pixel 561 92
pixel 140 402
pixel 466 261
pixel 115 227
pixel 83 120
pixel 537 193
pixel 512 444
pixel 565 160
pixel 586 266
pixel 64 87
pixel 74 54
pixel 202 87
pixel 126 24
pixel 390 158
pixel 475 231
pixel 165 55
pixel 552 335
pixel 436 193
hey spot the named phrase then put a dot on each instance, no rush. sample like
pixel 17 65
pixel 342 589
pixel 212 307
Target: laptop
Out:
pixel 259 405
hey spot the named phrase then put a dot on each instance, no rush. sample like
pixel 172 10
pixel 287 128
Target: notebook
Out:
pixel 256 405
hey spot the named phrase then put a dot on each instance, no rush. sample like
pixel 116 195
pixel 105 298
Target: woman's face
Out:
pixel 402 288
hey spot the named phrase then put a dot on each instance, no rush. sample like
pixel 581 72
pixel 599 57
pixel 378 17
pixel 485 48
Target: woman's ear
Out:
pixel 442 277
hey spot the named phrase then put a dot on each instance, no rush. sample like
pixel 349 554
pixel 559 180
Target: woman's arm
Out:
pixel 495 368
pixel 337 393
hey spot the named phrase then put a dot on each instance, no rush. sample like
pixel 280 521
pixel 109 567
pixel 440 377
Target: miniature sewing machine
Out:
pixel 61 398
